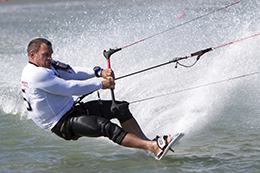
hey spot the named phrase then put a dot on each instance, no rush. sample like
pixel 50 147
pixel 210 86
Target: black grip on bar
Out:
pixel 108 53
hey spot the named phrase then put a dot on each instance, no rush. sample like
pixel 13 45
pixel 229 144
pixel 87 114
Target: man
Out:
pixel 48 93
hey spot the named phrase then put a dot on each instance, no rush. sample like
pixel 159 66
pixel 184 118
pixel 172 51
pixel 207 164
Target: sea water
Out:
pixel 220 121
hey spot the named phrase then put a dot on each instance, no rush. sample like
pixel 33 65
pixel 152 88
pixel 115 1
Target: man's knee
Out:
pixel 93 126
pixel 113 132
pixel 122 111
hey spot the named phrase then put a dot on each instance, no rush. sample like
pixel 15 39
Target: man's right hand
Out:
pixel 106 73
pixel 109 83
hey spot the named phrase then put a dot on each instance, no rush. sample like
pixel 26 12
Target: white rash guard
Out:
pixel 48 93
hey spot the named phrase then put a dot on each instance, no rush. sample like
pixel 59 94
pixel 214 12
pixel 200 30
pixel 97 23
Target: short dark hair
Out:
pixel 35 44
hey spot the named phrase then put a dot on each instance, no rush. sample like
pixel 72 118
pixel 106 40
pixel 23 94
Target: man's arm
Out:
pixel 76 73
pixel 51 83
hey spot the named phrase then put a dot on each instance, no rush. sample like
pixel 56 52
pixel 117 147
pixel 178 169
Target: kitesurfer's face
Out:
pixel 43 58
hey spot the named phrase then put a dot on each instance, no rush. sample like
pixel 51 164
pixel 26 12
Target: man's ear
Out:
pixel 31 54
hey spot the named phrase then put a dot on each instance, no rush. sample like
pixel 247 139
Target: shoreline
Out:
pixel 9 2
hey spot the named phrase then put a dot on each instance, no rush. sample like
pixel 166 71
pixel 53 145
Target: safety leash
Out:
pixel 198 54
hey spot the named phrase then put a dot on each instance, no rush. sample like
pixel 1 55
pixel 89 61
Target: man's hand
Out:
pixel 106 73
pixel 109 83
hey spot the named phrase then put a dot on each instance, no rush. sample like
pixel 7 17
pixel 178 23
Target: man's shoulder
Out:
pixel 34 72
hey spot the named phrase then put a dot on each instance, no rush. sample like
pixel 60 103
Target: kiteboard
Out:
pixel 173 142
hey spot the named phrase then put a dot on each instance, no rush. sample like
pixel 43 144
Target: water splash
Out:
pixel 79 38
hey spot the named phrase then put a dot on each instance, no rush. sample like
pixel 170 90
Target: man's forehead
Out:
pixel 45 47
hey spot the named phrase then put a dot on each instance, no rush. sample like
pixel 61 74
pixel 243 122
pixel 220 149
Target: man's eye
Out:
pixel 47 55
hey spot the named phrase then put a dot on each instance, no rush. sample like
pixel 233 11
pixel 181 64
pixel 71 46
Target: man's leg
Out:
pixel 77 125
pixel 133 127
pixel 92 126
pixel 127 121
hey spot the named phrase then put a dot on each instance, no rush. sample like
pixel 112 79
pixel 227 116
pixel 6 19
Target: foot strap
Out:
pixel 162 141
pixel 162 144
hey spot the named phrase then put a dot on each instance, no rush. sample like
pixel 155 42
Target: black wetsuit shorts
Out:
pixel 92 119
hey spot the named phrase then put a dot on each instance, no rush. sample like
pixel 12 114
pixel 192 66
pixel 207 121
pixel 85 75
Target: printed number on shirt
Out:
pixel 29 108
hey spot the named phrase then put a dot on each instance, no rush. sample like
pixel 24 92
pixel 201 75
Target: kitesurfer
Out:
pixel 48 89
